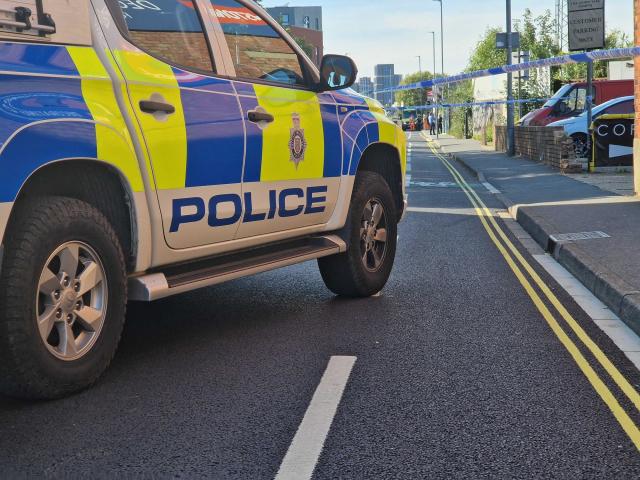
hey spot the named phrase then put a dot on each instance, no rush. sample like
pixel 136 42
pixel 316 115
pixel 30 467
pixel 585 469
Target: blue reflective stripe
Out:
pixel 373 130
pixel 348 96
pixel 40 59
pixel 24 100
pixel 332 148
pixel 215 138
pixel 203 82
pixel 40 144
pixel 253 154
pixel 363 140
pixel 355 160
pixel 347 150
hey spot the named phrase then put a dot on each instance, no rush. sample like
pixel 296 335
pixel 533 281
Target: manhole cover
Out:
pixel 571 237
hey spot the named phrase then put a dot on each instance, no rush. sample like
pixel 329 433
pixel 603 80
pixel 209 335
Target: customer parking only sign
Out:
pixel 586 24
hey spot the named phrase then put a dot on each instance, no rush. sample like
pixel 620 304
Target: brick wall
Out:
pixel 548 145
pixel 314 38
pixel 185 49
pixel 253 56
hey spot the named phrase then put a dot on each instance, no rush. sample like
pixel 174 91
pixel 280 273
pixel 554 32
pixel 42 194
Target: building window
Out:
pixel 317 24
pixel 284 19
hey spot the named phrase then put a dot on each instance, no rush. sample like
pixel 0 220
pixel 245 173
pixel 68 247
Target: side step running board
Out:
pixel 204 273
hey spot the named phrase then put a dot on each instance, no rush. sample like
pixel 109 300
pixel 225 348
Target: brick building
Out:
pixel 305 23
pixel 314 38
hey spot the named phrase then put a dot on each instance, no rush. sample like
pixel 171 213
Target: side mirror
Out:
pixel 337 72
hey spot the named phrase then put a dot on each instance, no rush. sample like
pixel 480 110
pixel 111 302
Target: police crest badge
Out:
pixel 297 143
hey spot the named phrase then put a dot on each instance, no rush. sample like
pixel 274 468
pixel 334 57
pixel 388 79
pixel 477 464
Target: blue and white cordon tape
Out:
pixel 613 54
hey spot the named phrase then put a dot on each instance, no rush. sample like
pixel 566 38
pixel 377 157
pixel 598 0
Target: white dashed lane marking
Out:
pixel 303 454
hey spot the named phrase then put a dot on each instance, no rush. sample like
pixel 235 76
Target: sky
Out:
pixel 395 31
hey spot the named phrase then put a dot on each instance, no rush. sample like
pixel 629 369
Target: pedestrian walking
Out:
pixel 425 122
pixel 440 124
pixel 432 124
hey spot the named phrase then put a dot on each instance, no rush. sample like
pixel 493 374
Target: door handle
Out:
pixel 257 116
pixel 152 106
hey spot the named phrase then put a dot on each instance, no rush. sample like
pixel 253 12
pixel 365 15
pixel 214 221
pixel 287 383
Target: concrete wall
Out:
pixel 636 142
pixel 622 70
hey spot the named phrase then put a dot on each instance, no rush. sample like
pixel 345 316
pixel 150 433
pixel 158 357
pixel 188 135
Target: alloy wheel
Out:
pixel 373 235
pixel 71 301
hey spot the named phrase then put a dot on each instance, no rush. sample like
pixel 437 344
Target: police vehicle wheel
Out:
pixel 62 298
pixel 372 231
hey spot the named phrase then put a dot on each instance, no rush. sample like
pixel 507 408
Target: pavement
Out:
pixel 618 183
pixel 549 204
pixel 458 373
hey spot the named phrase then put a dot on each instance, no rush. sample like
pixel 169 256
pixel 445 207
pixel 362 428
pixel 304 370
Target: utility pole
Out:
pixel 434 89
pixel 446 112
pixel 419 65
pixel 589 103
pixel 441 49
pixel 510 119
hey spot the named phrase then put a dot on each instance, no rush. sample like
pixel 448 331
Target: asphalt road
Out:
pixel 457 374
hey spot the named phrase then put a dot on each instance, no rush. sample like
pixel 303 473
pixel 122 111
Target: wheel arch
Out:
pixel 384 159
pixel 92 181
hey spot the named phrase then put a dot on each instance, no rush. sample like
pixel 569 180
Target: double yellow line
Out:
pixel 511 254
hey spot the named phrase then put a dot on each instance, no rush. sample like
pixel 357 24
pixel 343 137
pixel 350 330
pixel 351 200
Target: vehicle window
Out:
pixel 573 103
pixel 169 29
pixel 559 94
pixel 257 50
pixel 620 108
pixel 581 99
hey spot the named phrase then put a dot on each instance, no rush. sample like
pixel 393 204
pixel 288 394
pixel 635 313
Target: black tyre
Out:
pixel 372 230
pixel 62 298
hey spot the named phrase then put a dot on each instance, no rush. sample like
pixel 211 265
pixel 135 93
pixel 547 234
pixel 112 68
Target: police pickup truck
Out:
pixel 153 147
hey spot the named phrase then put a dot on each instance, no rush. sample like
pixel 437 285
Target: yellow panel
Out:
pixel 136 126
pixel 387 130
pixel 114 144
pixel 284 104
pixel 402 147
pixel 166 140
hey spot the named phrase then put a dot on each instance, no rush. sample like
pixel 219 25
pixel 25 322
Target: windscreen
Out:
pixel 559 94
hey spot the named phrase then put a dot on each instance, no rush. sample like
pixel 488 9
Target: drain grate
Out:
pixel 571 237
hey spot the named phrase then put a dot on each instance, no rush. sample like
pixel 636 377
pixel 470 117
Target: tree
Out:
pixel 306 46
pixel 414 97
pixel 485 54
pixel 461 92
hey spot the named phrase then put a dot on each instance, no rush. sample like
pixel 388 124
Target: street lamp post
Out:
pixel 434 89
pixel 441 45
pixel 419 64
pixel 510 112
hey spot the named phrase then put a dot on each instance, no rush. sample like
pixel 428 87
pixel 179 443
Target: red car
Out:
pixel 571 99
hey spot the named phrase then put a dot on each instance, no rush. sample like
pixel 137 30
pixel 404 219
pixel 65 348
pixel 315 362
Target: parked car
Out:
pixel 571 99
pixel 577 128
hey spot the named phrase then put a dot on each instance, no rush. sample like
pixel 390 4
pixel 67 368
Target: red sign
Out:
pixel 236 15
